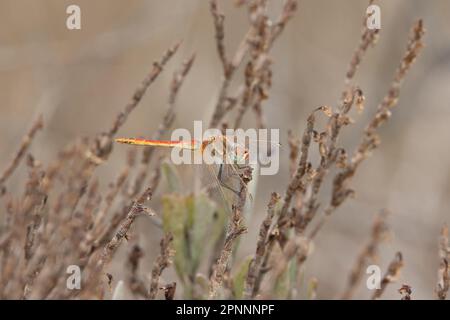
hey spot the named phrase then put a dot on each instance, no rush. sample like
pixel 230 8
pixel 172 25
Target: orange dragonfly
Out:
pixel 233 154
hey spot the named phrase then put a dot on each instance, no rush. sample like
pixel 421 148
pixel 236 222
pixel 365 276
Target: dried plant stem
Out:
pixel 37 125
pixel 294 150
pixel 234 230
pixel 391 275
pixel 112 195
pixel 136 284
pixel 136 209
pixel 443 284
pixel 111 247
pixel 162 262
pixel 140 91
pixel 255 264
pixel 258 40
pixel 289 8
pixel 229 67
pixel 297 246
pixel 258 74
pixel 330 154
pixel 169 290
pixel 66 216
pixel 169 117
pixel 103 144
pixel 370 141
pixel 405 291
pixel 99 150
pixel 368 253
pixel 97 233
pixel 368 38
pixel 296 183
pixel 220 34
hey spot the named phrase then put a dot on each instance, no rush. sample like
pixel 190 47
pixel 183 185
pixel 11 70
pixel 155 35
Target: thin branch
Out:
pixel 405 291
pixel 368 253
pixel 169 290
pixel 169 118
pixel 102 146
pixel 294 150
pixel 234 230
pixel 229 67
pixel 219 18
pixel 289 8
pixel 162 262
pixel 37 125
pixel 370 141
pixel 137 209
pixel 296 182
pixel 369 38
pixel 136 284
pixel 391 275
pixel 111 247
pixel 444 270
pixel 255 264
pixel 140 91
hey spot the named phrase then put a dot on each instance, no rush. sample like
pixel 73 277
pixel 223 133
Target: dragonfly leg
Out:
pixel 239 170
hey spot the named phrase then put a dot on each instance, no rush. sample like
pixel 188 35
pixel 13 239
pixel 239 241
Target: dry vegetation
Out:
pixel 61 218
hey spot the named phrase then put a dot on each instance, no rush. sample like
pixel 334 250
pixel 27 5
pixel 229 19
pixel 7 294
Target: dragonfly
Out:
pixel 235 156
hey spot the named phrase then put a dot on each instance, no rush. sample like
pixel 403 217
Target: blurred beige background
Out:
pixel 79 80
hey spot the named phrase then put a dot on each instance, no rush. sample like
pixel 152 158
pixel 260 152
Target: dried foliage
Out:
pixel 26 141
pixel 368 253
pixel 255 265
pixel 406 292
pixel 234 229
pixel 444 271
pixel 162 262
pixel 63 217
pixel 391 275
pixel 257 42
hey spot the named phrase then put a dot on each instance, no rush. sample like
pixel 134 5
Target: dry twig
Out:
pixel 37 125
pixel 234 230
pixel 444 270
pixel 111 247
pixel 391 275
pixel 255 264
pixel 405 291
pixel 369 253
pixel 169 290
pixel 137 286
pixel 162 262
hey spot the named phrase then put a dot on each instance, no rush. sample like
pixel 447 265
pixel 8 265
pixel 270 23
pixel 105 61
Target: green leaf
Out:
pixel 201 218
pixel 191 220
pixel 173 216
